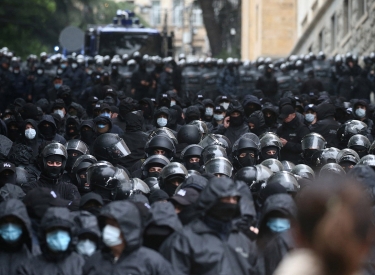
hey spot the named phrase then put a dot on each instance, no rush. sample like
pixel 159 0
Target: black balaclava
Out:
pixel 71 159
pixel 223 211
pixel 236 121
pixel 266 149
pixel 47 132
pixel 153 174
pixel 7 176
pixel 271 120
pixel 170 188
pixel 361 150
pixel 193 165
pixel 83 186
pixel 52 171
pixel 248 160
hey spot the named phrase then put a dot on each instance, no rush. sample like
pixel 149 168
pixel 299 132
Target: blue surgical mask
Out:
pixel 57 86
pixel 360 112
pixel 309 118
pixel 209 112
pixel 10 232
pixel 218 117
pixel 63 65
pixel 106 114
pixel 86 247
pixel 74 65
pixel 58 240
pixel 278 224
pixel 30 133
pixel 161 121
pixel 101 126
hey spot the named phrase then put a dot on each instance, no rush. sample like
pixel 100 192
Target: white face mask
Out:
pixel 225 105
pixel 161 121
pixel 39 72
pixel 74 65
pixel 111 235
pixel 209 111
pixel 86 247
pixel 60 113
pixel 218 117
pixel 30 133
pixel 173 103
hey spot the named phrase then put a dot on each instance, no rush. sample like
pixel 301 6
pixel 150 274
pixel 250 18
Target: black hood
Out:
pixel 85 222
pixel 162 110
pixel 150 104
pixel 163 214
pixel 257 118
pixel 49 119
pixel 283 203
pixel 251 99
pixel 216 188
pixel 14 207
pixel 134 122
pixel 355 104
pixel 325 110
pixel 235 106
pixel 107 120
pixel 80 110
pixel 56 217
pixel 129 219
pixel 43 104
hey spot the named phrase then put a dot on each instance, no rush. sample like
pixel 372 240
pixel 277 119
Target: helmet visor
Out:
pixel 313 142
pixel 119 150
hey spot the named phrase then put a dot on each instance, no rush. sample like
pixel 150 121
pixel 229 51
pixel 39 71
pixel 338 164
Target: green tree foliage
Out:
pixel 32 26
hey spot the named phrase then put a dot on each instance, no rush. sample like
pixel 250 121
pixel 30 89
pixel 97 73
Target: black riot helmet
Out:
pixel 102 180
pixel 328 155
pixel 160 142
pixel 304 171
pixel 288 165
pixel 351 128
pixel 270 145
pixel 331 169
pixel 360 144
pixel 202 127
pixel 372 149
pixel 153 161
pixel 213 151
pixel 75 149
pixel 172 176
pixel 286 179
pixel 312 144
pixel 110 147
pixel 163 131
pixel 254 177
pixel 219 166
pixel 189 152
pixel 189 134
pixel 273 164
pixel 245 151
pixel 152 183
pixel 79 170
pixel 54 152
pixel 347 158
pixel 366 160
pixel 216 139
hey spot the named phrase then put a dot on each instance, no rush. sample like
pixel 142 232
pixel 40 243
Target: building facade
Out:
pixel 269 28
pixel 335 27
pixel 182 17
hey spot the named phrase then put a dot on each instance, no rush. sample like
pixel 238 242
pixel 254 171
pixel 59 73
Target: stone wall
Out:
pixel 359 39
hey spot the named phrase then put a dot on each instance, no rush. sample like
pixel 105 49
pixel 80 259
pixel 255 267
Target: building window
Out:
pixel 347 14
pixel 361 8
pixel 321 40
pixel 333 32
pixel 196 15
pixel 178 16
pixel 155 13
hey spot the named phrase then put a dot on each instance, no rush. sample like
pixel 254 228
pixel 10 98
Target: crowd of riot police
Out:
pixel 147 165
